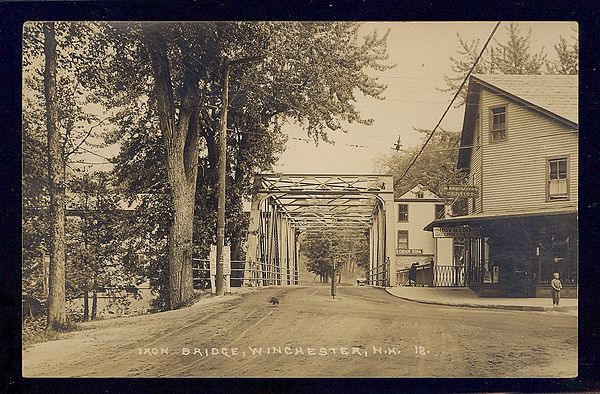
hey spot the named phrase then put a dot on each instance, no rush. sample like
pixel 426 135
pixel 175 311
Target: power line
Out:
pixel 450 104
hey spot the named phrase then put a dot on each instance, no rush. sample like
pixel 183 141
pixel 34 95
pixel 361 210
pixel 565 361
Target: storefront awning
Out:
pixel 482 217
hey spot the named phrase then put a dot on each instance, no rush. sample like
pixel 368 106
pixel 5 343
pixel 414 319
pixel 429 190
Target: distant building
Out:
pixel 414 210
pixel 519 149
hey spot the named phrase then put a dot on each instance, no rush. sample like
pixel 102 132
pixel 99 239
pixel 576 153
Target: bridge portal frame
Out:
pixel 286 205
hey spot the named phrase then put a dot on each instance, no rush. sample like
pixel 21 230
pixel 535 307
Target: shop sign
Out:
pixel 453 191
pixel 495 274
pixel 226 260
pixel 409 251
pixel 487 277
pixel 456 232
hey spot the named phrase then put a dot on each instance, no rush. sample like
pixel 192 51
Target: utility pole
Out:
pixel 220 280
pixel 333 280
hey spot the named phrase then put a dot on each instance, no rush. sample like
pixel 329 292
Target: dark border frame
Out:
pixel 14 13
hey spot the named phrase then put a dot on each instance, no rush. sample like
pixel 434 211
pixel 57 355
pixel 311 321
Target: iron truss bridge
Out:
pixel 287 205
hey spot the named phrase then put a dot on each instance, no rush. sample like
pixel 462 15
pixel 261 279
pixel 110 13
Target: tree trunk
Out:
pixel 180 249
pixel 86 305
pixel 95 297
pixel 94 303
pixel 180 137
pixel 56 188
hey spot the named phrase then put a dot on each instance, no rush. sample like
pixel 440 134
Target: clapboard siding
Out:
pixel 514 171
pixel 475 179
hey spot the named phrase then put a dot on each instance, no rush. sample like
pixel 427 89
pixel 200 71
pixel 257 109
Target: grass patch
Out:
pixel 35 331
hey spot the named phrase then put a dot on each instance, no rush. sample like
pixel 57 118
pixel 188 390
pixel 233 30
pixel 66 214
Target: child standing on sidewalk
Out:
pixel 556 286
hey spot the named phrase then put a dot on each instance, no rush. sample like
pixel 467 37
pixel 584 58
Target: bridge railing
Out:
pixel 242 274
pixel 377 276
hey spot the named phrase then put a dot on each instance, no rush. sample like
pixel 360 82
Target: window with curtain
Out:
pixel 558 179
pixel 403 212
pixel 498 126
pixel 402 239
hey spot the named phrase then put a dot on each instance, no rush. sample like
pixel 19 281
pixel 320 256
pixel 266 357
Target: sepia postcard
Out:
pixel 300 199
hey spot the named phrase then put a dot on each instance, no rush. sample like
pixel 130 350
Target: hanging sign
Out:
pixel 453 191
pixel 456 232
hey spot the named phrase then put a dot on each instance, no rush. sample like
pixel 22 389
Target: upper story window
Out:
pixel 402 239
pixel 498 124
pixel 440 211
pixel 403 212
pixel 558 179
pixel 420 195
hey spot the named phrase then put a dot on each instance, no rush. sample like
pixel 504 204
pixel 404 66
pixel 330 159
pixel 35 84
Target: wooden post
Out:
pixel 333 282
pixel 222 170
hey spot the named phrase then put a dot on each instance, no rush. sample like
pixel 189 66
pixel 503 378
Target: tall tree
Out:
pixel 568 55
pixel 513 56
pixel 179 124
pixel 311 74
pixel 56 187
pixel 57 127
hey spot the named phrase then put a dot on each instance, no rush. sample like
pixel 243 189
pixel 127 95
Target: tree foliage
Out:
pixel 342 249
pixel 310 75
pixel 568 55
pixel 435 167
pixel 101 257
pixel 513 56
pixel 52 84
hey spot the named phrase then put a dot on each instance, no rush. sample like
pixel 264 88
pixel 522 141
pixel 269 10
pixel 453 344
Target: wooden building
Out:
pixel 415 209
pixel 519 149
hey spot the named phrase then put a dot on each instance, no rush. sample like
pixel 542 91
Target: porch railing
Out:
pixel 449 276
pixel 433 276
pixel 423 275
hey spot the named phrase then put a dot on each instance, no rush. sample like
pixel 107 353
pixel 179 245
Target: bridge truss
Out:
pixel 287 205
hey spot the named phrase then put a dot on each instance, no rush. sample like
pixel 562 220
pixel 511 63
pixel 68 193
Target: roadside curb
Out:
pixel 530 308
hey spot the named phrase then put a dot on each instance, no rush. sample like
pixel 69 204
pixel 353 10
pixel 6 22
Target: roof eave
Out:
pixel 459 220
pixel 569 123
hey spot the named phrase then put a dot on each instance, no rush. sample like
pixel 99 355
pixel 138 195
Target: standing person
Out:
pixel 556 286
pixel 412 274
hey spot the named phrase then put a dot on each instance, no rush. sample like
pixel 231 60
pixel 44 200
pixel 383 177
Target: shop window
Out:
pixel 498 124
pixel 403 212
pixel 558 179
pixel 458 244
pixel 402 239
pixel 558 255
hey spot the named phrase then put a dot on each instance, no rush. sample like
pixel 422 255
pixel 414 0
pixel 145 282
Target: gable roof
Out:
pixel 549 93
pixel 555 96
pixel 419 187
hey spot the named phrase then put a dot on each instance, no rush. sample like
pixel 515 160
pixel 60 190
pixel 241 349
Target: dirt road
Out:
pixel 364 332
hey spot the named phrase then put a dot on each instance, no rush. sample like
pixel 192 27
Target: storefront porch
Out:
pixel 515 254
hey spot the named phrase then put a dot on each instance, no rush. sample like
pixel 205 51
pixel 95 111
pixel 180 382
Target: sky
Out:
pixel 422 53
